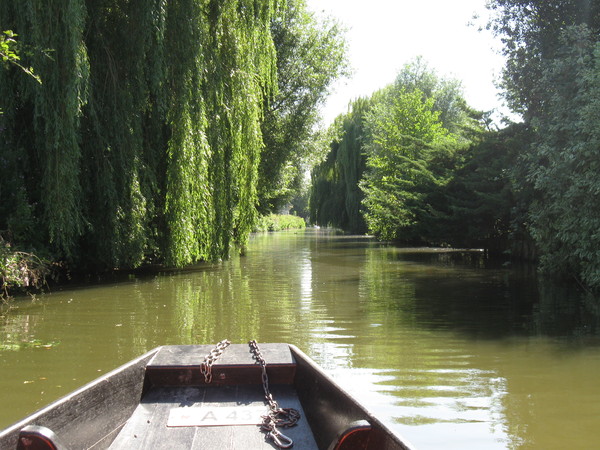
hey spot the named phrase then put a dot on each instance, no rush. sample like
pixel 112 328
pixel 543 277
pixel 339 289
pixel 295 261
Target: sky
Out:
pixel 384 35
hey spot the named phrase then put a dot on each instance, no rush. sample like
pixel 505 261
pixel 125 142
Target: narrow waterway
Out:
pixel 452 350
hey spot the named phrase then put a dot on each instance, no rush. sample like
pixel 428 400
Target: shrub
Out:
pixel 274 222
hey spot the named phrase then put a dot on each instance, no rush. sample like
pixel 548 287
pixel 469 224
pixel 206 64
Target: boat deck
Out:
pixel 178 410
pixel 149 427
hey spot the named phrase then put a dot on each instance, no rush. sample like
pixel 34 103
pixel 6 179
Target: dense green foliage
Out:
pixel 279 222
pixel 144 140
pixel 564 166
pixel 393 158
pixel 421 183
pixel 551 77
pixel 18 269
pixel 531 33
pixel 487 199
pixel 336 198
pixel 435 175
pixel 311 54
pixel 404 134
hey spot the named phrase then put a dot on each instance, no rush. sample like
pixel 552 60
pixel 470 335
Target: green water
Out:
pixel 448 348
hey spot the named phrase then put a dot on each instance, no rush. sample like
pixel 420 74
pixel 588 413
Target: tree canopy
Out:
pixel 393 156
pixel 551 77
pixel 336 198
pixel 432 173
pixel 404 131
pixel 311 54
pixel 144 141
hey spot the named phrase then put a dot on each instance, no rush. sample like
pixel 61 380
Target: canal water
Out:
pixel 452 350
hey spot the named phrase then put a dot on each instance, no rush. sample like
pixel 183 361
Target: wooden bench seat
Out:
pixel 179 365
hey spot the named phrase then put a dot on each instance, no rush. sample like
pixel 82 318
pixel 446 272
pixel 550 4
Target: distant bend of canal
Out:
pixel 451 349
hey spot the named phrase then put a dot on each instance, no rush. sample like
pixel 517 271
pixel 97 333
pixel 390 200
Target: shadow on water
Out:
pixel 481 297
pixel 486 355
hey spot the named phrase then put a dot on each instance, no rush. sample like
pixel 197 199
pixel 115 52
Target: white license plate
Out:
pixel 202 416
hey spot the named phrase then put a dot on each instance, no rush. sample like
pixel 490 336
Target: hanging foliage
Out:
pixel 43 120
pixel 336 198
pixel 143 141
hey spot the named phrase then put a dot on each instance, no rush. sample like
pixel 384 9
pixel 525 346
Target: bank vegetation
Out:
pixel 415 164
pixel 154 132
pixel 138 132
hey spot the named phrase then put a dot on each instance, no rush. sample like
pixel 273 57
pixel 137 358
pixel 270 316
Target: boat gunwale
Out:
pixel 9 435
pixel 393 440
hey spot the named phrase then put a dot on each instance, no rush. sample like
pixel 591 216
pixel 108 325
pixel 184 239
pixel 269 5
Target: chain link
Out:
pixel 209 360
pixel 277 417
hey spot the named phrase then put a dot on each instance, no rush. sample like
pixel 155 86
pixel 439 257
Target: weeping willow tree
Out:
pixel 119 172
pixel 143 141
pixel 336 198
pixel 41 123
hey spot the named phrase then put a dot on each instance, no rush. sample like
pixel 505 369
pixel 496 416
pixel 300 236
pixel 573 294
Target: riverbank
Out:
pixel 279 222
pixel 23 271
pixel 27 272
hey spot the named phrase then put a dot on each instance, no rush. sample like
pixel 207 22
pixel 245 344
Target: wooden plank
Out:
pixel 148 428
pixel 179 365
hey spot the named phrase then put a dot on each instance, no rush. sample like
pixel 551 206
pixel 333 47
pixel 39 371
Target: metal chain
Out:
pixel 277 417
pixel 209 360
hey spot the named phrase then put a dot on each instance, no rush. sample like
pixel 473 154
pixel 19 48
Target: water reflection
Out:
pixel 305 268
pixel 450 347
